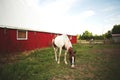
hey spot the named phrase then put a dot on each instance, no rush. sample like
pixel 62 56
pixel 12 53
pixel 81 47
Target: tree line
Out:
pixel 108 35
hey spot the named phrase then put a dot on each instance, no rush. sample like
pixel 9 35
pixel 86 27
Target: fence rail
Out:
pixel 94 41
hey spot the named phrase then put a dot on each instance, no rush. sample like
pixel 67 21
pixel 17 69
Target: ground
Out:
pixel 93 62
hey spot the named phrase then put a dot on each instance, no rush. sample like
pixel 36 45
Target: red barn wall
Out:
pixel 9 42
pixel 73 39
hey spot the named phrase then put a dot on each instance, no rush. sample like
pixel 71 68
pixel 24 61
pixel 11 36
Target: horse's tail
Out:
pixel 53 43
pixel 53 40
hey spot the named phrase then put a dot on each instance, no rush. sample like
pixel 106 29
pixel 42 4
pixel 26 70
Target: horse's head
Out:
pixel 72 57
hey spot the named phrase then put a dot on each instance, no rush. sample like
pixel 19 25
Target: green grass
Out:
pixel 93 62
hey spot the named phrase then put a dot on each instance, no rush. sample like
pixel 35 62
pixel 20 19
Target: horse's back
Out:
pixel 62 40
pixel 59 41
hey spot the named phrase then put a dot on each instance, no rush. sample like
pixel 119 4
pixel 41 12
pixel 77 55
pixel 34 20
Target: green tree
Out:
pixel 116 29
pixel 108 35
pixel 87 35
pixel 98 37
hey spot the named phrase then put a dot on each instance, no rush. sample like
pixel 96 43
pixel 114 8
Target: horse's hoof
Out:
pixel 72 66
pixel 58 62
pixel 66 63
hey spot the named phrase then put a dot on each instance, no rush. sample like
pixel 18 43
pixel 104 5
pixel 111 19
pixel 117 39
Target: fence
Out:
pixel 94 41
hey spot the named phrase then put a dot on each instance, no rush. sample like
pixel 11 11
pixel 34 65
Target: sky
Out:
pixel 61 16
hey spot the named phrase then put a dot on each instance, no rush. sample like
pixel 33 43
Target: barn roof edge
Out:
pixel 31 29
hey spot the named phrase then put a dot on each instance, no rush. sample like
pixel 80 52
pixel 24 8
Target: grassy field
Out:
pixel 93 62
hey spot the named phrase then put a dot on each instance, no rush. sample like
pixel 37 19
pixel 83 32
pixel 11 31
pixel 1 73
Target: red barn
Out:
pixel 17 39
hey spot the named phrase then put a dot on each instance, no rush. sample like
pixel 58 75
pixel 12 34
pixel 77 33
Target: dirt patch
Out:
pixel 12 57
pixel 114 51
pixel 65 77
pixel 86 70
pixel 8 58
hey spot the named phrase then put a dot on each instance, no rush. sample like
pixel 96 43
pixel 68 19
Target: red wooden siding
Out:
pixel 74 40
pixel 9 42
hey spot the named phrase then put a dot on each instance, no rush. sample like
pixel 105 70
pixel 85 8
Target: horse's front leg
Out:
pixel 59 55
pixel 65 57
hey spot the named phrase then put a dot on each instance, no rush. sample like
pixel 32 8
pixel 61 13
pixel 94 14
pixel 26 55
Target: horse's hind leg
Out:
pixel 55 50
pixel 60 49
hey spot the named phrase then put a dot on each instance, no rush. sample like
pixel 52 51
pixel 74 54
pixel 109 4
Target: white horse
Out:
pixel 63 42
